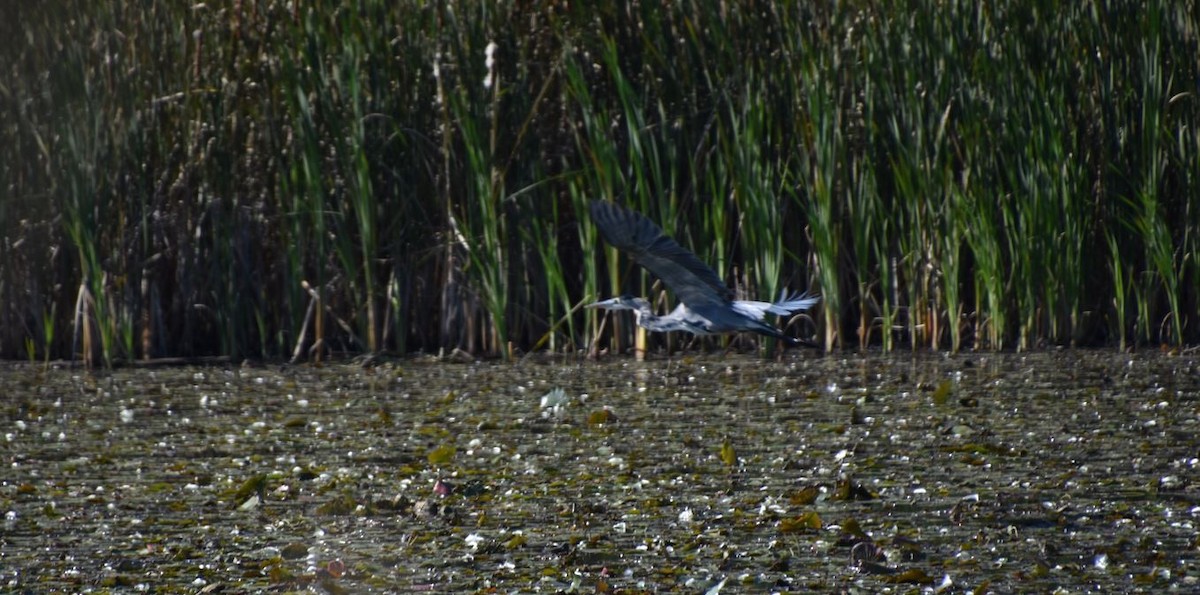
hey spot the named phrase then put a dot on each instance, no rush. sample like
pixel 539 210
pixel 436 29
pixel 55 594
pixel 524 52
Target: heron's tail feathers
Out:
pixel 785 306
pixel 795 302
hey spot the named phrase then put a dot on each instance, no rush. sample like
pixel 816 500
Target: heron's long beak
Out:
pixel 606 304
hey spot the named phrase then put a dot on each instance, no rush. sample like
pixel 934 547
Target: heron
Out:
pixel 706 305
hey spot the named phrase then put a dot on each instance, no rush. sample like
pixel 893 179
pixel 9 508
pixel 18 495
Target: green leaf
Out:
pixel 728 456
pixel 441 455
pixel 941 394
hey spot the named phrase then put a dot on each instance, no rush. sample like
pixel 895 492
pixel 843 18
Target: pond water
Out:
pixel 1073 471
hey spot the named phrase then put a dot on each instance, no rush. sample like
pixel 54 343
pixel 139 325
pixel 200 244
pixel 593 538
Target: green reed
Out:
pixel 88 213
pixel 1121 277
pixel 1162 269
pixel 262 179
pixel 755 188
pixel 598 179
pixel 826 148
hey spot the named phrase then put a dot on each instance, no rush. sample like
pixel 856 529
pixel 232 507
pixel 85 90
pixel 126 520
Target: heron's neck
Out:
pixel 645 317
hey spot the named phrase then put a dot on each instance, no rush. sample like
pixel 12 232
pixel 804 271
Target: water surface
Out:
pixel 1006 473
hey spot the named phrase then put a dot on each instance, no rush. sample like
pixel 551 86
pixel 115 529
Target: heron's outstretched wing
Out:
pixel 693 282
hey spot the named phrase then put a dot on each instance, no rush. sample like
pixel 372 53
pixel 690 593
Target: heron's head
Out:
pixel 624 302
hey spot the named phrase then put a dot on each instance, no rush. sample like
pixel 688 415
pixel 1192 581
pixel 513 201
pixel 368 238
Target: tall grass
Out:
pixel 260 179
pixel 825 147
pixel 754 185
pixel 1162 265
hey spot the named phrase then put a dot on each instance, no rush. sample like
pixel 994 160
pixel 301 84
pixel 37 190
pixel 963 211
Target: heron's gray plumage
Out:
pixel 706 306
pixel 693 282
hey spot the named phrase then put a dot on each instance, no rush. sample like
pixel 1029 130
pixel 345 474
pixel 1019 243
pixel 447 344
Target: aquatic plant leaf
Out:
pixel 808 521
pixel 294 551
pixel 256 485
pixel 601 417
pixel 441 455
pixel 914 576
pixel 941 394
pixel 335 568
pixel 853 528
pixel 728 455
pixel 805 496
pixel 339 506
pixel 848 490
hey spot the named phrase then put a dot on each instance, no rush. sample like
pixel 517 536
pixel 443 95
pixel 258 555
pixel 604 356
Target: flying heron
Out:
pixel 706 305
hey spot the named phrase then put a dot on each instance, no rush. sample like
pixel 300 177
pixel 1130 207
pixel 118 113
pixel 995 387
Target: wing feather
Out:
pixel 693 282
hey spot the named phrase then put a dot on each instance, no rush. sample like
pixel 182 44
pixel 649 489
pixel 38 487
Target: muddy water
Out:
pixel 1002 473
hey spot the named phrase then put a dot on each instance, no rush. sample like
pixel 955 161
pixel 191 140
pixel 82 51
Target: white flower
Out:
pixel 554 399
pixel 473 540
pixel 490 55
pixel 490 62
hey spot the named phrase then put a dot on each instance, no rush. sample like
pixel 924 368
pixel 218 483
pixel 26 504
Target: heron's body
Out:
pixel 706 306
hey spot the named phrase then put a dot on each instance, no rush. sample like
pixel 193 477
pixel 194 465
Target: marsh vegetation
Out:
pixel 263 179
